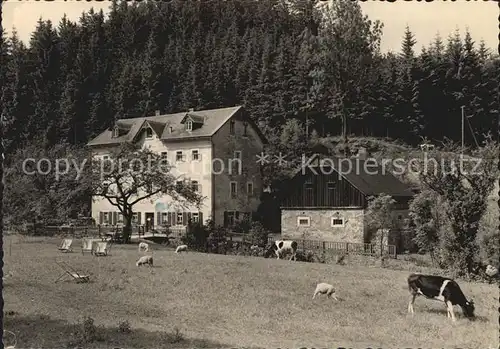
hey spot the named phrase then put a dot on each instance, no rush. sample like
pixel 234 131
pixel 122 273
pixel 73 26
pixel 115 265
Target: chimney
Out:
pixel 157 113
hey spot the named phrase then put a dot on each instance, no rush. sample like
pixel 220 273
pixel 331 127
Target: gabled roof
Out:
pixel 193 117
pixel 212 119
pixel 375 181
pixel 157 127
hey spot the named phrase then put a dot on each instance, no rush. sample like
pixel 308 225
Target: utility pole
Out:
pixel 307 111
pixel 463 118
pixel 463 114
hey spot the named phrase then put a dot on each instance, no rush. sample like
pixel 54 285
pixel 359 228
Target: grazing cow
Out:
pixel 181 248
pixel 281 246
pixel 442 289
pixel 143 246
pixel 324 288
pixel 145 260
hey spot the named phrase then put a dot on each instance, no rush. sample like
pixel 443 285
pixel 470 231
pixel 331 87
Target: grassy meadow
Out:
pixel 215 301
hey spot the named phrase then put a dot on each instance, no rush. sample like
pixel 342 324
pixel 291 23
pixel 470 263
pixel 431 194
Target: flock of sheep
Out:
pixel 148 259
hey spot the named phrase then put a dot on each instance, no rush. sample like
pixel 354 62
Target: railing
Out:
pixel 347 247
pixel 177 231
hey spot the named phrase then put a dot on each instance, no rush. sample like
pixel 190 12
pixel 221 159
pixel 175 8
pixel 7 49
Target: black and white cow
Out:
pixel 442 289
pixel 281 246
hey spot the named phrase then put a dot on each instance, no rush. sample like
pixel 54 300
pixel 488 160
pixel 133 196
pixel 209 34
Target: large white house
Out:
pixel 215 149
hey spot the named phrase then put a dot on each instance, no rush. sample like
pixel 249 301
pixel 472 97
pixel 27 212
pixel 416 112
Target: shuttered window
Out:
pixel 195 217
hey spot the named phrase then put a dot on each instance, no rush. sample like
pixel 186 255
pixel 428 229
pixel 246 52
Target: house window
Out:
pixel 195 217
pixel 235 162
pixel 337 222
pixel 115 132
pixel 195 185
pixel 164 155
pixel 231 127
pixel 179 218
pixel 233 189
pixel 135 218
pixel 189 125
pixel 195 155
pixel 105 157
pixel 119 219
pixel 171 129
pixel 250 188
pixel 303 221
pixel 105 218
pixel 245 126
pixel 330 185
pixel 179 156
pixel 231 218
pixel 149 132
pixel 164 218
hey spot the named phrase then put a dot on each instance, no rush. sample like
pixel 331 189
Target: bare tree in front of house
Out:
pixel 380 216
pixel 132 175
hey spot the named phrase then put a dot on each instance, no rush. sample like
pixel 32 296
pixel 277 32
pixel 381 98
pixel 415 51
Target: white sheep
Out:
pixel 143 246
pixel 491 271
pixel 145 260
pixel 325 288
pixel 181 248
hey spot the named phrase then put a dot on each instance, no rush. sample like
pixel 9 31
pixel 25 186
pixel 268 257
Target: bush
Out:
pixel 310 256
pixel 258 235
pixel 196 236
pixel 490 246
pixel 217 238
pixel 243 227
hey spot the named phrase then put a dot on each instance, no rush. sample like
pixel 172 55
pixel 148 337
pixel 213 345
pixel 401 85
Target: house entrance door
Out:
pixel 150 221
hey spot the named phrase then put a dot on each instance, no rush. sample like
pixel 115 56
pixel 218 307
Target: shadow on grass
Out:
pixel 458 315
pixel 44 332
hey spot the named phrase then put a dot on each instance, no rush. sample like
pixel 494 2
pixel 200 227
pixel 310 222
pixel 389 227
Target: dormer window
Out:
pixel 149 132
pixel 116 132
pixel 189 125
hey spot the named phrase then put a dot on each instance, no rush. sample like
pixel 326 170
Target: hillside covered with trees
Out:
pixel 282 60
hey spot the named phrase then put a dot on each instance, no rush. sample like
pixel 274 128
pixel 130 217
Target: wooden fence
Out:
pixel 314 245
pixel 95 230
pixel 347 247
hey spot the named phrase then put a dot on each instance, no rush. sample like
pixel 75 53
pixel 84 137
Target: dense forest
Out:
pixel 281 60
pixel 290 63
